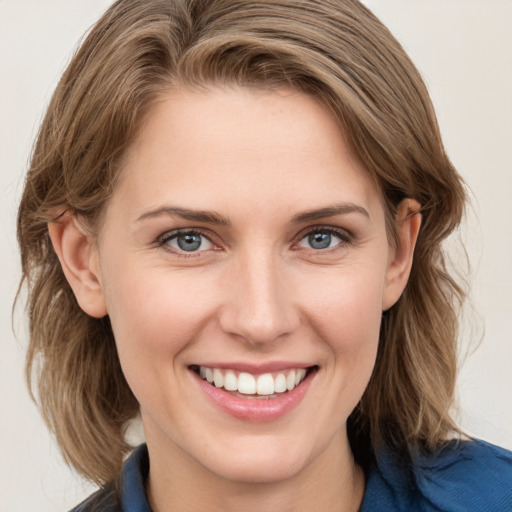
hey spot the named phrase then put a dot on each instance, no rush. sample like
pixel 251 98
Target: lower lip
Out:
pixel 253 409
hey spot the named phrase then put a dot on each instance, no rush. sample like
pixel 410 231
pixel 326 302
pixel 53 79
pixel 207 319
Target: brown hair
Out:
pixel 335 50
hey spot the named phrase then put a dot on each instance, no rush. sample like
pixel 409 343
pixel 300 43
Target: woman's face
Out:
pixel 245 243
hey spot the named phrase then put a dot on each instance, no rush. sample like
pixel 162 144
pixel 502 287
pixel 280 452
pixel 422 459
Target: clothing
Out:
pixel 464 476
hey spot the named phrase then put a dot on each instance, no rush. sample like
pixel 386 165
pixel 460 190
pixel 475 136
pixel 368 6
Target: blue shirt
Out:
pixel 464 476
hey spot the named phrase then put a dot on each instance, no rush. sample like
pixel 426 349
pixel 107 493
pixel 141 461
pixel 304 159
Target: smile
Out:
pixel 254 396
pixel 263 385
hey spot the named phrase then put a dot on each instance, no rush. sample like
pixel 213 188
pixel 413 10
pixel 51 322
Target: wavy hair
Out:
pixel 335 50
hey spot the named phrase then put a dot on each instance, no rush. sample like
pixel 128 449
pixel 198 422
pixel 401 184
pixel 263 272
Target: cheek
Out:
pixel 346 304
pixel 154 316
pixel 345 313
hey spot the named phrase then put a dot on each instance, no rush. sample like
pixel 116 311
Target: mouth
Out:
pixel 262 386
pixel 261 396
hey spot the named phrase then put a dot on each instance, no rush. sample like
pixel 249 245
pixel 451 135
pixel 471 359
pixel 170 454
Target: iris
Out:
pixel 320 240
pixel 189 241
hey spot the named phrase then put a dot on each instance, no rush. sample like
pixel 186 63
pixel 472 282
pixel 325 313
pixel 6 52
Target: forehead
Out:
pixel 244 147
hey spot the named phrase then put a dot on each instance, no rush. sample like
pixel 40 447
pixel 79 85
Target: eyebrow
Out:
pixel 208 217
pixel 329 211
pixel 211 217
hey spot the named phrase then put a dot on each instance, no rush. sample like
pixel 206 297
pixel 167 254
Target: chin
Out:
pixel 259 466
pixel 268 472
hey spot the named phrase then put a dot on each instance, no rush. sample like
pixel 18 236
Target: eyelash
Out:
pixel 163 241
pixel 345 238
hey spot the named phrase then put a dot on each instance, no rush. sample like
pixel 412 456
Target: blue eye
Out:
pixel 322 239
pixel 187 241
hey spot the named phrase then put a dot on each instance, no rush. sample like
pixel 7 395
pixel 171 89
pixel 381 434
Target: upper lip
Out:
pixel 255 368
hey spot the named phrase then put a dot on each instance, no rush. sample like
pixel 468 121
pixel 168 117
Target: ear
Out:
pixel 408 221
pixel 78 256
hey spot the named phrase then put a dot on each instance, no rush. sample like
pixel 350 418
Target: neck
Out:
pixel 332 481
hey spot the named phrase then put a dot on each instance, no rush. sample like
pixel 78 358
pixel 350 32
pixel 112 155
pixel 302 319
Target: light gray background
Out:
pixel 462 47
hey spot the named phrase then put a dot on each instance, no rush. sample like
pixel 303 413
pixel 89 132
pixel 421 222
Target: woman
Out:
pixel 232 224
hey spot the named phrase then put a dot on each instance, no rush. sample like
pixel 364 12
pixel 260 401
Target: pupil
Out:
pixel 189 242
pixel 320 240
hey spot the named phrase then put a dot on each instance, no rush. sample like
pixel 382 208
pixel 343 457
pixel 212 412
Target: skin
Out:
pixel 256 291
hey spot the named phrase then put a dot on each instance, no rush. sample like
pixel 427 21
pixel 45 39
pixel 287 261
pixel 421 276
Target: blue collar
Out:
pixel 461 476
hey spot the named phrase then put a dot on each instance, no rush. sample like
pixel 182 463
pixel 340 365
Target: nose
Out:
pixel 259 302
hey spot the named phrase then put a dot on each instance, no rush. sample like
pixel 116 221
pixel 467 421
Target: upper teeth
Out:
pixel 248 384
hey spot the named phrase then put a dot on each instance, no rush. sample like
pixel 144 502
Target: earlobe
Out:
pixel 78 256
pixel 408 221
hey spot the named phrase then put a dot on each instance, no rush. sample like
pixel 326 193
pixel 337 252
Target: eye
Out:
pixel 186 241
pixel 323 238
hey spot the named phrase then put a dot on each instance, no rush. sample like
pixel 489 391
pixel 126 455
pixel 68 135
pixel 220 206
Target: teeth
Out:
pixel 230 381
pixel 248 384
pixel 280 383
pixel 218 378
pixel 290 380
pixel 265 384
